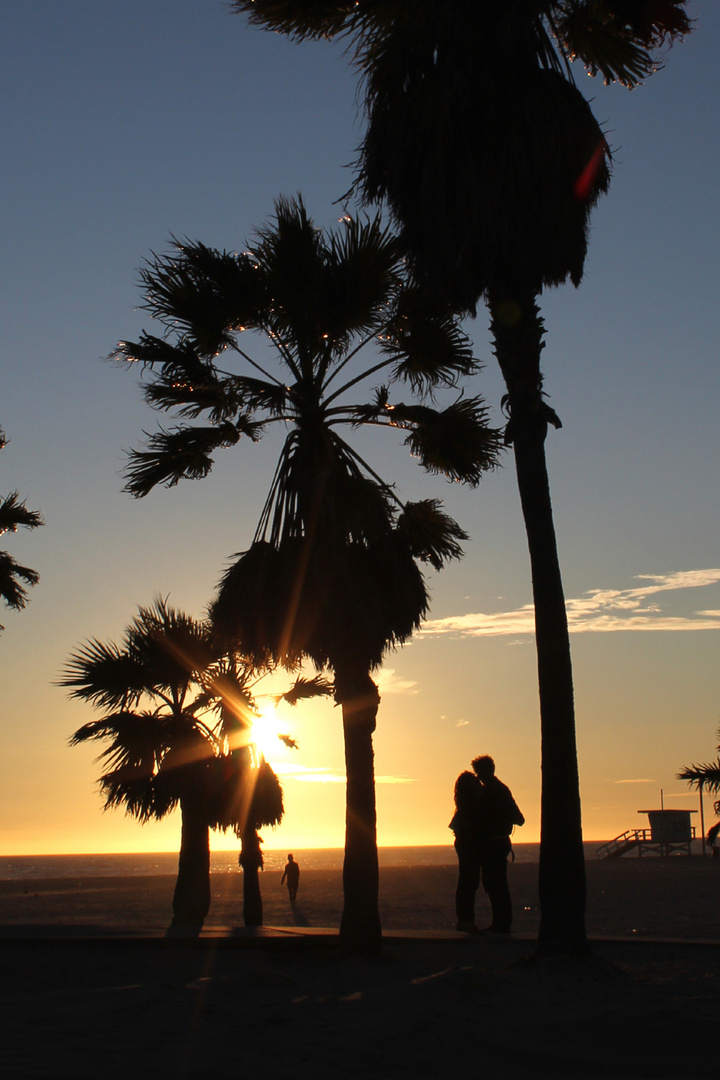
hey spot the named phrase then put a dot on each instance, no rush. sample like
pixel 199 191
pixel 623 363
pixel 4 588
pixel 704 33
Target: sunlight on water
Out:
pixel 226 862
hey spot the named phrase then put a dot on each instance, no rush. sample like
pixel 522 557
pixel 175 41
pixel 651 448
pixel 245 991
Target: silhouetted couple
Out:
pixel 485 815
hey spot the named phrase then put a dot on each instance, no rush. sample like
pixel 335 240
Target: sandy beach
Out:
pixel 113 996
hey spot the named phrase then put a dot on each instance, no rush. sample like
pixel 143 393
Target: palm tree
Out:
pixel 490 160
pixel 13 514
pixel 704 776
pixel 259 802
pixel 332 573
pixel 176 713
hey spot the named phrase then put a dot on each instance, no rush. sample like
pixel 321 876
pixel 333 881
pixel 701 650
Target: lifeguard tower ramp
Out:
pixel 670 833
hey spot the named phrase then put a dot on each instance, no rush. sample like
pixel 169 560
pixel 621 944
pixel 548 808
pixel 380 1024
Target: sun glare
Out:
pixel 266 733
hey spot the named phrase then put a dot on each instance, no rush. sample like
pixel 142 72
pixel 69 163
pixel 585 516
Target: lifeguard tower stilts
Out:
pixel 670 833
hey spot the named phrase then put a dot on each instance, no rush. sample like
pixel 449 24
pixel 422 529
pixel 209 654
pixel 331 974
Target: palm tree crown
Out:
pixel 472 111
pixel 176 715
pixel 319 300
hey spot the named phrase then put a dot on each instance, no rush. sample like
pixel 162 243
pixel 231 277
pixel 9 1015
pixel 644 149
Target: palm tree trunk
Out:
pixel 251 860
pixel 518 330
pixel 360 930
pixel 191 900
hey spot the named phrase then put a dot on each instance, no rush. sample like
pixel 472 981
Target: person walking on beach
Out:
pixel 499 814
pixel 292 873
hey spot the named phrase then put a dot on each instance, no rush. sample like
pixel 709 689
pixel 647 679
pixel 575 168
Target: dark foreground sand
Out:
pixel 146 1007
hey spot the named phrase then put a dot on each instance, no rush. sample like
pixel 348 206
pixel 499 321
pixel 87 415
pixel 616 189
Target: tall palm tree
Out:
pixel 705 776
pixel 332 573
pixel 13 576
pixel 490 160
pixel 176 714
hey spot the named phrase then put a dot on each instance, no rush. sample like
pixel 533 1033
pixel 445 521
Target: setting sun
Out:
pixel 270 734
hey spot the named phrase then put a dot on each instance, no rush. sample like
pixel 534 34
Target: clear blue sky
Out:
pixel 124 122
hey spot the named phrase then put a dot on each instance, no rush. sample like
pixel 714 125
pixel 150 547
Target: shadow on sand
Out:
pixel 299 918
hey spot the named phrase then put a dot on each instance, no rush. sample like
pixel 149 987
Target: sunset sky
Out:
pixel 126 121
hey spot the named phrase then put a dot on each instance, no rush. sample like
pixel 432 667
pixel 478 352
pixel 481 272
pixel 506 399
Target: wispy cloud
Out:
pixel 293 771
pixel 390 683
pixel 598 610
pixel 642 781
pixel 308 775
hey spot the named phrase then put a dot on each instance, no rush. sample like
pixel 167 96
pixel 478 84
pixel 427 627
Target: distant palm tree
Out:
pixel 260 802
pixel 177 713
pixel 14 514
pixel 490 160
pixel 705 776
pixel 332 573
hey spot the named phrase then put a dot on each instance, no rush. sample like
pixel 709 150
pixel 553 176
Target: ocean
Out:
pixel 20 867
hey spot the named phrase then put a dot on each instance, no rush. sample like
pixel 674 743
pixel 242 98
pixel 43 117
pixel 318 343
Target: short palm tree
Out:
pixel 490 160
pixel 705 776
pixel 176 714
pixel 332 574
pixel 14 578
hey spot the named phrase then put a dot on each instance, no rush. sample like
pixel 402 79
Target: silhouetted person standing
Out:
pixel 498 815
pixel 466 826
pixel 292 873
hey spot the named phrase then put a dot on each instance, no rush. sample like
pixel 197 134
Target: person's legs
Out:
pixel 467 886
pixel 495 884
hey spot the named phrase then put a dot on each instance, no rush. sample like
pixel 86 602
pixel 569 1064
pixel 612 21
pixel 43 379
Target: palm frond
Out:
pixel 619 40
pixel 431 535
pixel 171 647
pixel 137 739
pixel 204 293
pixel 261 394
pixel 189 401
pixel 14 513
pixel 456 442
pixel 706 776
pixel 180 359
pixel 364 270
pixel 104 674
pixel 292 255
pixel 184 452
pixel 303 689
pixel 311 19
pixel 11 574
pixel 427 342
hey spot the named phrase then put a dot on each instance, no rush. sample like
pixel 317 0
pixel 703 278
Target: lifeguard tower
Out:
pixel 670 833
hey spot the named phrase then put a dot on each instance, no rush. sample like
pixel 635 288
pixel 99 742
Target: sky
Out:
pixel 124 122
